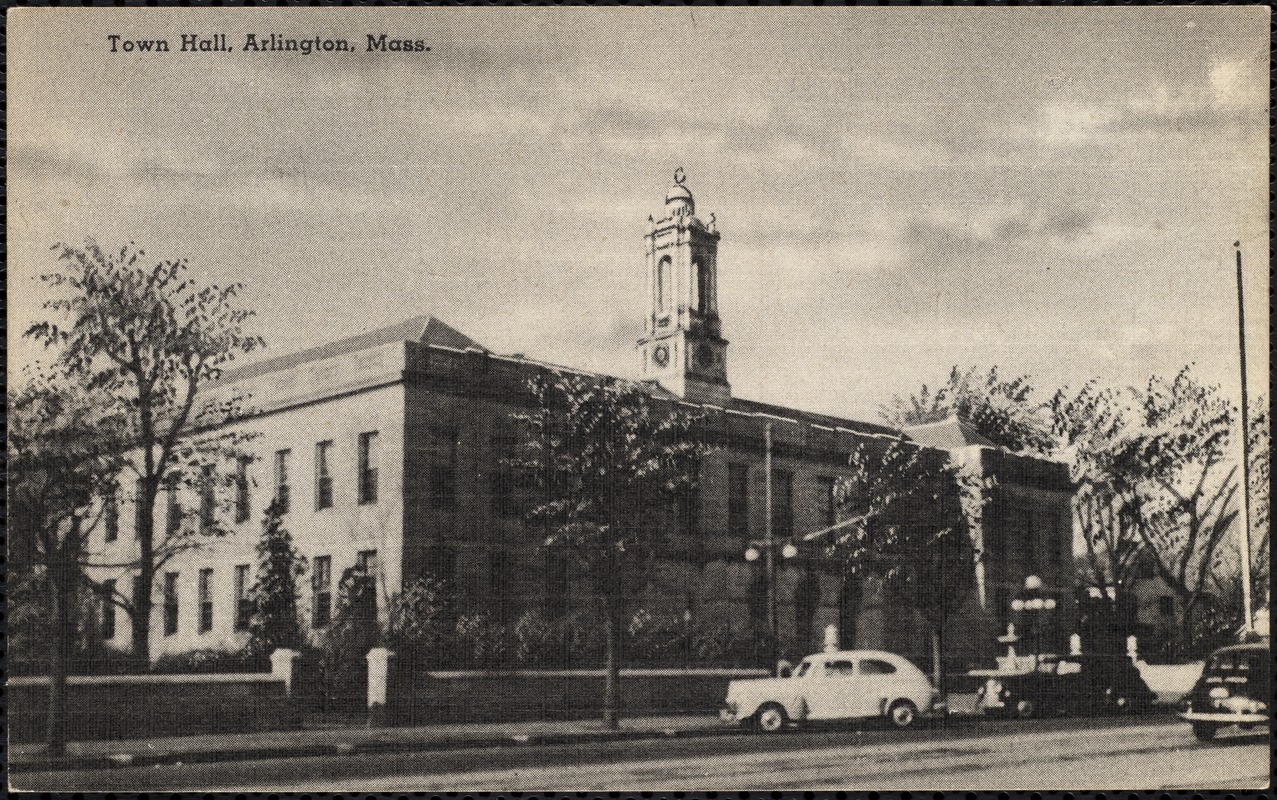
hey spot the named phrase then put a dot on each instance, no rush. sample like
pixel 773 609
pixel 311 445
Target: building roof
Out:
pixel 947 434
pixel 755 407
pixel 430 330
pixel 425 329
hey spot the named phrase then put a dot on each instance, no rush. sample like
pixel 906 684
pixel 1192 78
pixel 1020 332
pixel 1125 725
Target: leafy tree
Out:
pixel 1261 447
pixel 275 623
pixel 149 339
pixel 611 461
pixel 1177 452
pixel 1087 430
pixel 909 513
pixel 1003 411
pixel 62 451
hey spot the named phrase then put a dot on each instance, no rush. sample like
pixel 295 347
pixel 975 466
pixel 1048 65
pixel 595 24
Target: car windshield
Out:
pixel 1231 665
pixel 802 669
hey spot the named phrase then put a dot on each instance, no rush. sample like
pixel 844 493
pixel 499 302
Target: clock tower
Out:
pixel 683 348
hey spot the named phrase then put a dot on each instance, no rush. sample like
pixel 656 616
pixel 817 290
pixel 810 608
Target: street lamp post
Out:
pixel 766 548
pixel 1033 604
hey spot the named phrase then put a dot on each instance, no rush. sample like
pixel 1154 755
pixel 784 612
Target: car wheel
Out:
pixel 1025 709
pixel 902 713
pixel 1204 731
pixel 770 718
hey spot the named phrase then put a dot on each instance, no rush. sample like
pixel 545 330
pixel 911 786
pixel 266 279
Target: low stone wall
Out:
pixel 133 706
pixel 422 698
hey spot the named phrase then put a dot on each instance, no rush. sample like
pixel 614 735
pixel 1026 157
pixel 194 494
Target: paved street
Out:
pixel 1150 753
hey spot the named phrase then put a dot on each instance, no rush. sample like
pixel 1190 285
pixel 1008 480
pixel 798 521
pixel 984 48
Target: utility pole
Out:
pixel 769 549
pixel 1245 526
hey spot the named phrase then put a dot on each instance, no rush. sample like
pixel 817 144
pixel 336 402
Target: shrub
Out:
pixel 422 627
pixel 656 639
pixel 210 662
pixel 570 642
pixel 482 642
pixel 343 670
pixel 274 623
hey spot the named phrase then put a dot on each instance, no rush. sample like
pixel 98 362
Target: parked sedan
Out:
pixel 1233 690
pixel 1081 685
pixel 853 684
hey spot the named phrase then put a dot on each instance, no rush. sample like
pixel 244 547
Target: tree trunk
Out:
pixel 612 683
pixel 937 667
pixel 62 590
pixel 140 622
pixel 1186 626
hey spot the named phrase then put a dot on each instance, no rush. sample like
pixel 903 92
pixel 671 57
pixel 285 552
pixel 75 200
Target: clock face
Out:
pixel 661 355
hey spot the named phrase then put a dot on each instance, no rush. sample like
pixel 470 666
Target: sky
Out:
pixel 1052 191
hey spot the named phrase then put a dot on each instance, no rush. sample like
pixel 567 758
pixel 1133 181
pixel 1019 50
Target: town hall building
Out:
pixel 389 450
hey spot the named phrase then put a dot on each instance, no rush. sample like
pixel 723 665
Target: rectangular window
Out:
pixel 322 591
pixel 243 598
pixel 206 600
pixel 827 504
pixel 170 603
pixel 108 609
pixel 443 470
pixel 689 500
pixel 503 483
pixel 368 467
pixel 782 503
pixel 281 479
pixel 241 490
pixel 111 513
pixel 323 479
pixel 556 583
pixel 208 500
pixel 738 500
pixel 500 579
pixel 441 562
pixel 1166 605
pixel 366 562
pixel 173 513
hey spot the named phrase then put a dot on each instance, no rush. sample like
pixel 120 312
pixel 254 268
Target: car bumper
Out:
pixel 1223 718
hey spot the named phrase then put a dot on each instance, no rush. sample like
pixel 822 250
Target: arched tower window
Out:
pixel 700 276
pixel 664 287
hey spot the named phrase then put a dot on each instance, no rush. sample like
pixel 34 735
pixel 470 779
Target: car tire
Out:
pixel 902 714
pixel 1204 731
pixel 770 718
pixel 1026 709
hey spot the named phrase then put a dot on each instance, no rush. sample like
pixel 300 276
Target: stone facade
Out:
pixel 425 414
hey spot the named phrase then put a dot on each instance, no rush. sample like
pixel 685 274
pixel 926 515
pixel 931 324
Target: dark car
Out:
pixel 1080 685
pixel 1233 690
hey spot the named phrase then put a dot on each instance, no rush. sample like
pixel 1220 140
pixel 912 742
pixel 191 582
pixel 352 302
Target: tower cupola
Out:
pixel 682 346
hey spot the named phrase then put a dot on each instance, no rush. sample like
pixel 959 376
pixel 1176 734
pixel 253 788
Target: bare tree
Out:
pixel 148 339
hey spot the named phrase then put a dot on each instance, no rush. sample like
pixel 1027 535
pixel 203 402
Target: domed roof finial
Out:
pixel 678 200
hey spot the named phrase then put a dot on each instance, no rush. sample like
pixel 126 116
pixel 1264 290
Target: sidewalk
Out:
pixel 345 741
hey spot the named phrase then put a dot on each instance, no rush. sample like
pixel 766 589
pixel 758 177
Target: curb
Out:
pixel 123 760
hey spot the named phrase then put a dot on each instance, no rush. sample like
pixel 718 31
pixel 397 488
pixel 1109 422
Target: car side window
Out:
pixel 873 666
pixel 839 669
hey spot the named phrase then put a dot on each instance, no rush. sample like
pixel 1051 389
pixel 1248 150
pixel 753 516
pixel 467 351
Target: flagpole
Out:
pixel 1245 527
